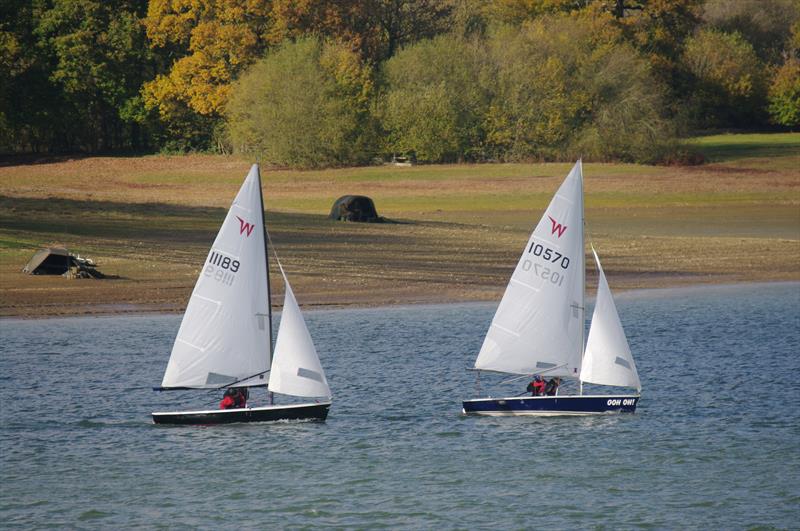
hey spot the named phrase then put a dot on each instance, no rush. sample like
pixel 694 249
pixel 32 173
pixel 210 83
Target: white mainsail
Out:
pixel 538 327
pixel 296 369
pixel 224 336
pixel 608 359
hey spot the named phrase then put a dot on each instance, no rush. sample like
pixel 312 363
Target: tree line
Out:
pixel 317 83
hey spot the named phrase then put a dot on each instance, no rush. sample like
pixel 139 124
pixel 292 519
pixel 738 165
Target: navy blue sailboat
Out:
pixel 538 329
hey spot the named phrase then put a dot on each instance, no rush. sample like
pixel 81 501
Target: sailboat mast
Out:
pixel 266 261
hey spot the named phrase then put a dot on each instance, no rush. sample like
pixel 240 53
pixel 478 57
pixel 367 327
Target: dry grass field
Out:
pixel 455 235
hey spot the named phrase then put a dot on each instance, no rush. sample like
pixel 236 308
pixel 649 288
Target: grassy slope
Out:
pixel 150 220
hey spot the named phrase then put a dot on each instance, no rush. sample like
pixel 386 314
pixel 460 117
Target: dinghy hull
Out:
pixel 318 412
pixel 550 406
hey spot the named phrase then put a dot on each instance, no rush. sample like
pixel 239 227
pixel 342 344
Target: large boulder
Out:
pixel 354 208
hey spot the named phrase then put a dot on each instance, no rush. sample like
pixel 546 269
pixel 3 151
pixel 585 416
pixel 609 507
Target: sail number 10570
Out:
pixel 543 272
pixel 537 249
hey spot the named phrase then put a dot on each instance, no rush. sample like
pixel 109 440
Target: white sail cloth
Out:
pixel 538 327
pixel 224 336
pixel 608 359
pixel 296 369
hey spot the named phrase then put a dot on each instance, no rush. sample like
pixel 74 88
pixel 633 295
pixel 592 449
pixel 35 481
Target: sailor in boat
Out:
pixel 242 394
pixel 551 389
pixel 537 386
pixel 234 398
pixel 228 401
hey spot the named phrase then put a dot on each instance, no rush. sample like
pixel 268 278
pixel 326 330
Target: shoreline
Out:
pixel 142 310
pixel 148 223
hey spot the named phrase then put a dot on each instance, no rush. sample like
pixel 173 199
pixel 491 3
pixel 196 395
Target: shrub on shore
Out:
pixel 306 104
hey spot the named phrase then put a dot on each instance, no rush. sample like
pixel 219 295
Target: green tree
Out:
pixel 658 29
pixel 566 87
pixel 784 94
pixel 72 71
pixel 731 87
pixel 29 101
pixel 765 24
pixel 558 86
pixel 100 60
pixel 306 104
pixel 434 102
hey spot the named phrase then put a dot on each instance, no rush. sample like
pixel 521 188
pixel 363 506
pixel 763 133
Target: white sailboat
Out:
pixel 225 338
pixel 538 329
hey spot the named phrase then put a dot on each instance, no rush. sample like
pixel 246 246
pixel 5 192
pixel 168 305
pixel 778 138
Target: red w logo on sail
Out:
pixel 557 227
pixel 245 226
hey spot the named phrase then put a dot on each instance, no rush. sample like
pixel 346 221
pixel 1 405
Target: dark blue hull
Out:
pixel 552 405
pixel 256 414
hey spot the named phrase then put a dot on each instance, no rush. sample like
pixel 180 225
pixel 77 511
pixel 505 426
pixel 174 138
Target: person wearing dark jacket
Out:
pixel 552 386
pixel 240 396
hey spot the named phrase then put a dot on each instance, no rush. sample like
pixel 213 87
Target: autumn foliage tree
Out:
pixel 446 79
pixel 213 41
pixel 376 28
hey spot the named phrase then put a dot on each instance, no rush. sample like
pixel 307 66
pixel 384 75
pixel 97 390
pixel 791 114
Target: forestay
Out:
pixel 538 327
pixel 608 359
pixel 296 369
pixel 224 336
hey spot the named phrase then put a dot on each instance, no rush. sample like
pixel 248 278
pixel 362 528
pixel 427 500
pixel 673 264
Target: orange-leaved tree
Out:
pixel 206 44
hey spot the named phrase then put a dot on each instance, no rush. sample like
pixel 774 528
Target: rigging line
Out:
pixel 243 379
pixel 542 372
pixel 514 379
pixel 275 254
pixel 161 389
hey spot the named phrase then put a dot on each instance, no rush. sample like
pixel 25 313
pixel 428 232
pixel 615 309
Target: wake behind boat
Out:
pixel 538 328
pixel 225 338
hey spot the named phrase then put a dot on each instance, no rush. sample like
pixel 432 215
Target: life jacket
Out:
pixel 227 403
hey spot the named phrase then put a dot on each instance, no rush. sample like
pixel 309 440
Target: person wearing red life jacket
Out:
pixel 536 387
pixel 228 400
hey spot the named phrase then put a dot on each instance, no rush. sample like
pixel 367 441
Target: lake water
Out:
pixel 715 442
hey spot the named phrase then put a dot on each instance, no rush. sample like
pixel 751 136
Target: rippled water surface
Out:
pixel 715 442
